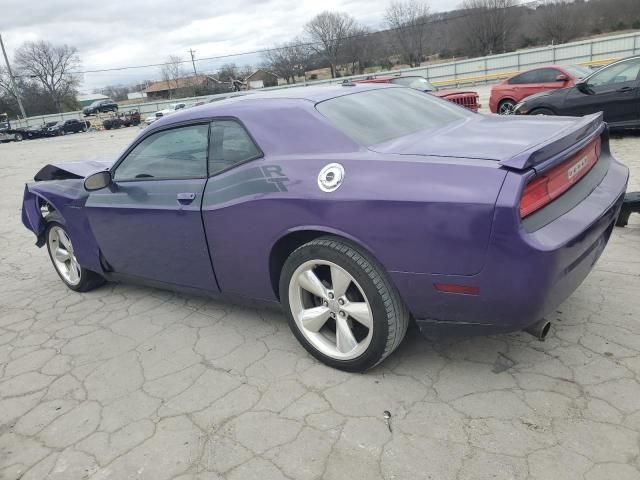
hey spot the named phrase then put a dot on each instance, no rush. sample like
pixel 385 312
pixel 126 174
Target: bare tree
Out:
pixel 52 66
pixel 289 61
pixel 172 70
pixel 228 72
pixel 245 71
pixel 556 22
pixel 489 25
pixel 408 21
pixel 359 49
pixel 5 83
pixel 328 31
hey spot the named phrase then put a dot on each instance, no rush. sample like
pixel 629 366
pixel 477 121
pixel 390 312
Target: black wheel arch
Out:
pixel 289 242
pixel 537 108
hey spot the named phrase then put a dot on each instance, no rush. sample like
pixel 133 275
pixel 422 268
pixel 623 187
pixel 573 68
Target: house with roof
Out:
pixel 261 79
pixel 185 86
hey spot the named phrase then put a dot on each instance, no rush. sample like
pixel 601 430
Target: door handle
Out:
pixel 186 198
pixel 624 89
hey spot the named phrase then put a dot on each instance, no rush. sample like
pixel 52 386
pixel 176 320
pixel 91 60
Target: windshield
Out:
pixel 577 71
pixel 376 116
pixel 419 83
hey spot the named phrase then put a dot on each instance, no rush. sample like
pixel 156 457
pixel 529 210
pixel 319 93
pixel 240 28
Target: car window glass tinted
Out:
pixel 541 75
pixel 170 154
pixel 376 116
pixel 618 73
pixel 230 144
pixel 526 77
pixel 548 75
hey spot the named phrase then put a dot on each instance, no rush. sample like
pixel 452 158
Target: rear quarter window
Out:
pixel 376 116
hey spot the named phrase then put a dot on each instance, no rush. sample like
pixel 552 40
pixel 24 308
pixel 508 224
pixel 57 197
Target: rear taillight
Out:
pixel 547 187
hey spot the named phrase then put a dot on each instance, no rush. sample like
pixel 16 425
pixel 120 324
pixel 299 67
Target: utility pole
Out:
pixel 13 82
pixel 193 61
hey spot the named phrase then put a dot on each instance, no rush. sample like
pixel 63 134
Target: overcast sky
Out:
pixel 137 32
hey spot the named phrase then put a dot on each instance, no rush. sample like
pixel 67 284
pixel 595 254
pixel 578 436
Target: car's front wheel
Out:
pixel 506 107
pixel 63 257
pixel 341 305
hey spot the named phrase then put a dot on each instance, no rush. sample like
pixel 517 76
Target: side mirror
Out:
pixel 97 181
pixel 561 78
pixel 584 87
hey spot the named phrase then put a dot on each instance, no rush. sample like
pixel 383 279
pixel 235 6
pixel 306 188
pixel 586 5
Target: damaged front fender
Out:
pixel 32 215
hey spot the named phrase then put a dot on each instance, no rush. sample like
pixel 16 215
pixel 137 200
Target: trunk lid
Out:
pixel 517 142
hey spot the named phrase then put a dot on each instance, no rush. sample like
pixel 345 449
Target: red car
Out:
pixel 508 93
pixel 466 99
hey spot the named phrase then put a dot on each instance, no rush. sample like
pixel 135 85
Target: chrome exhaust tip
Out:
pixel 540 329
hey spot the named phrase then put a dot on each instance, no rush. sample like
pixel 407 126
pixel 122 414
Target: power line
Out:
pixel 304 44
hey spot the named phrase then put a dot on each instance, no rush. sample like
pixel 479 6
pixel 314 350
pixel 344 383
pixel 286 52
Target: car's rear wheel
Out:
pixel 64 261
pixel 542 111
pixel 341 306
pixel 506 107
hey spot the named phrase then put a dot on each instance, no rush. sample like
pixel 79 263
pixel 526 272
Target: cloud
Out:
pixel 115 33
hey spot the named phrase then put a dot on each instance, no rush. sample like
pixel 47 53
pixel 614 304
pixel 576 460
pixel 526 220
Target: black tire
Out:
pixel 542 111
pixel 17 137
pixel 88 280
pixel 506 107
pixel 390 314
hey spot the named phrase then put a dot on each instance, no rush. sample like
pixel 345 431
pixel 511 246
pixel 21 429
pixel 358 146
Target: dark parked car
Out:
pixel 613 90
pixel 356 207
pixel 66 126
pixel 100 106
pixel 38 131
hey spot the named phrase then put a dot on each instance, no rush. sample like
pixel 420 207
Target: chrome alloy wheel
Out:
pixel 331 309
pixel 63 256
pixel 507 108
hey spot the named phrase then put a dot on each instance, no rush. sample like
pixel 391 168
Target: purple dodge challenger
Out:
pixel 356 207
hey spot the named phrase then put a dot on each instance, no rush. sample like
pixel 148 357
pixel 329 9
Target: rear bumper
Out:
pixel 526 275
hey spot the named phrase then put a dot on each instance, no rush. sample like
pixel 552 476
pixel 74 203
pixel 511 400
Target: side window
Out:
pixel 230 144
pixel 170 154
pixel 547 75
pixel 526 77
pixel 619 73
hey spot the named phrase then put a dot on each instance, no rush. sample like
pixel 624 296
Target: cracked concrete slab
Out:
pixel 134 382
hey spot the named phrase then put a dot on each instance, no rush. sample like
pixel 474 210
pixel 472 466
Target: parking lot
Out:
pixel 129 382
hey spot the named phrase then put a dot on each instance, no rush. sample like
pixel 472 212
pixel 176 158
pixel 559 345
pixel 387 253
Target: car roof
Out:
pixel 308 94
pixel 314 93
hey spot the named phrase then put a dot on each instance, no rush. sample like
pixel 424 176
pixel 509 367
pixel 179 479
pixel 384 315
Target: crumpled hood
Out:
pixel 68 170
pixel 514 141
